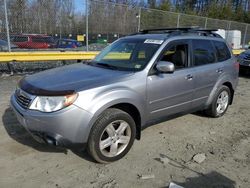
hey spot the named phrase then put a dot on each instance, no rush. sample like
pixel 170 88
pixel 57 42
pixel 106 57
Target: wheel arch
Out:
pixel 230 86
pixel 224 81
pixel 134 113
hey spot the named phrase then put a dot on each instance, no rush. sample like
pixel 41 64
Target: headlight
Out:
pixel 51 103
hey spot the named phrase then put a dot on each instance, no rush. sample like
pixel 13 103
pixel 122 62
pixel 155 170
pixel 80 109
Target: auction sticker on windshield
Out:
pixel 153 41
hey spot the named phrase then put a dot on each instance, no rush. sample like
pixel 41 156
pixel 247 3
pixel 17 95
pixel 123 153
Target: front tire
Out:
pixel 112 136
pixel 220 102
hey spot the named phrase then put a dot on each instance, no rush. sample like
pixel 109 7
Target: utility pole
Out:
pixel 206 23
pixel 7 25
pixel 245 35
pixel 139 20
pixel 87 25
pixel 178 20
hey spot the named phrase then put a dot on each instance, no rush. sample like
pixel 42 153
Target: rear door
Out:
pixel 207 70
pixel 39 42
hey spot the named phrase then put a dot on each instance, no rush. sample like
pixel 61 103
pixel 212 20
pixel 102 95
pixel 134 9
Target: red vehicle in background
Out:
pixel 33 41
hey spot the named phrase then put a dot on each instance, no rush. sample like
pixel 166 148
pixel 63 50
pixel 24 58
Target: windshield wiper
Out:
pixel 107 65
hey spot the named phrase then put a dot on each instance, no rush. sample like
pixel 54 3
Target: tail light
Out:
pixel 237 65
pixel 74 46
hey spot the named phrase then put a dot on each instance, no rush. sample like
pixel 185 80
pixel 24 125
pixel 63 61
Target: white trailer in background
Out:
pixel 233 37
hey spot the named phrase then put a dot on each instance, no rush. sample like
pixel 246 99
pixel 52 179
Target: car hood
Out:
pixel 69 79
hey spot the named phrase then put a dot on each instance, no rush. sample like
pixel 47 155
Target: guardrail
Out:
pixel 54 56
pixel 237 52
pixel 45 56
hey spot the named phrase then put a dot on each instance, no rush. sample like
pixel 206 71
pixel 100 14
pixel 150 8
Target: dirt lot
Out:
pixel 224 141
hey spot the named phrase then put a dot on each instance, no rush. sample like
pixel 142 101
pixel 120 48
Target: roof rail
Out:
pixel 181 30
pixel 166 29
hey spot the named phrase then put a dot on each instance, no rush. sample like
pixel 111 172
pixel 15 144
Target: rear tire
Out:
pixel 220 103
pixel 112 136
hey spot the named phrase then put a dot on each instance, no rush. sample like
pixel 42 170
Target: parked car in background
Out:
pixel 68 43
pixel 33 41
pixel 4 45
pixel 244 60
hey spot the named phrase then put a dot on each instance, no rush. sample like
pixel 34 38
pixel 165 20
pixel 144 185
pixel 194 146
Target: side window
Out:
pixel 20 39
pixel 176 54
pixel 203 52
pixel 63 42
pixel 222 51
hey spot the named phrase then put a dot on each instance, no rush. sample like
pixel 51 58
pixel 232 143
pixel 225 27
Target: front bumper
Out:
pixel 68 127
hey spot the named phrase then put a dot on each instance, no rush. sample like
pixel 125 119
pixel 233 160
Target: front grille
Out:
pixel 22 99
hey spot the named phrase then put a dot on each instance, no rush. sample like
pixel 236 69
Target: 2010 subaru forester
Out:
pixel 138 80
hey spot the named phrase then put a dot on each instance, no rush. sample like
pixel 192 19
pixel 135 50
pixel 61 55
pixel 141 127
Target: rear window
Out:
pixel 222 51
pixel 20 39
pixel 203 52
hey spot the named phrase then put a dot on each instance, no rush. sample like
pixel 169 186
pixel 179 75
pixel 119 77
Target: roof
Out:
pixel 31 35
pixel 148 36
pixel 70 40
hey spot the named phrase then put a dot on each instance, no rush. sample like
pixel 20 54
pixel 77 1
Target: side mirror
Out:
pixel 165 67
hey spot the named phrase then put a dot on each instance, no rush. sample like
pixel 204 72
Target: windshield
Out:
pixel 128 54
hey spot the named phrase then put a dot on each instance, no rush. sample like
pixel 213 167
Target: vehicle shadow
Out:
pixel 210 180
pixel 17 132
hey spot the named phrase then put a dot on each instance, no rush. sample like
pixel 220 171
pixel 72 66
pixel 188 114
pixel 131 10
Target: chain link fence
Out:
pixel 87 24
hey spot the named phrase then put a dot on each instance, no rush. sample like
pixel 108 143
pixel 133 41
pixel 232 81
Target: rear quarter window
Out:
pixel 222 51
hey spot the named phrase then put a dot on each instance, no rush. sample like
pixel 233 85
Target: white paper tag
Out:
pixel 137 66
pixel 153 41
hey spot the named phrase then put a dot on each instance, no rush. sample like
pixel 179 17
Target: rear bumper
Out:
pixel 68 127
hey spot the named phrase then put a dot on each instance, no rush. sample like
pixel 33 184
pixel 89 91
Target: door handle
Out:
pixel 189 77
pixel 219 71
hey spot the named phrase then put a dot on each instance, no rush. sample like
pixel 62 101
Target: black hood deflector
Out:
pixel 33 90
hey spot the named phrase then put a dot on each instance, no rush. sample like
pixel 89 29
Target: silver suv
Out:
pixel 137 81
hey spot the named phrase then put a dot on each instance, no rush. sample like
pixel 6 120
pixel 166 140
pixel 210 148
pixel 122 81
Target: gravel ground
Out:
pixel 163 155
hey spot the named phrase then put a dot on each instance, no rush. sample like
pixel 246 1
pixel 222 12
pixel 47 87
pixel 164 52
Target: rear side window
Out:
pixel 222 51
pixel 203 52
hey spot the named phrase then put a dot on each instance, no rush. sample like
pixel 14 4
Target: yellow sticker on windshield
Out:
pixel 153 41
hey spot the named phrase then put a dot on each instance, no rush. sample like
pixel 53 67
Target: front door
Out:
pixel 170 93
